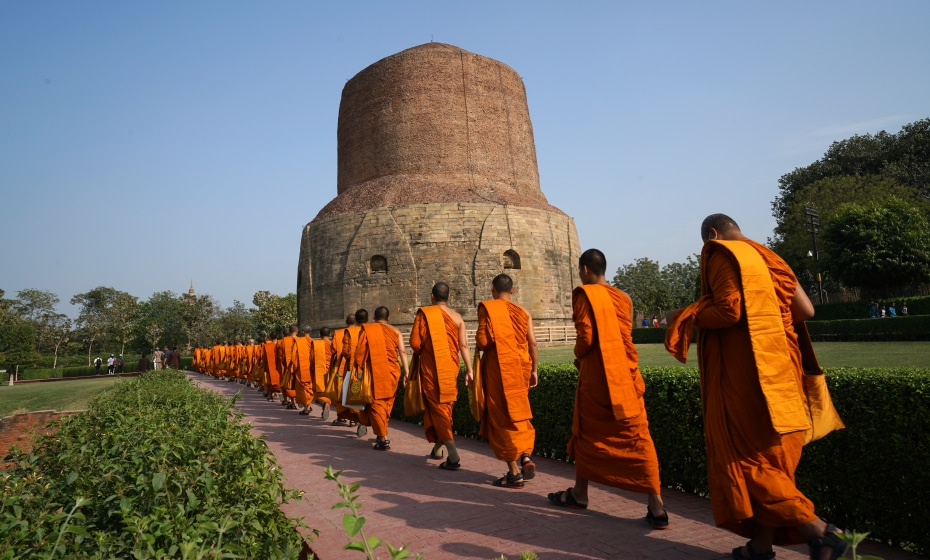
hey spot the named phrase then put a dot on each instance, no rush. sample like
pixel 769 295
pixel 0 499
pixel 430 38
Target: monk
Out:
pixel 303 380
pixel 508 369
pixel 610 438
pixel 755 415
pixel 216 359
pixel 381 350
pixel 272 376
pixel 438 337
pixel 288 360
pixel 320 360
pixel 338 367
pixel 350 335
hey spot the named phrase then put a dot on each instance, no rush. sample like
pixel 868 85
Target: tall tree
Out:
pixel 161 320
pixel 642 281
pixel 880 248
pixel 199 312
pixel 93 318
pixel 682 282
pixel 122 316
pixel 272 312
pixel 17 345
pixel 235 324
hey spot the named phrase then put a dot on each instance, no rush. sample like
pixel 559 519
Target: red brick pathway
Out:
pixel 458 514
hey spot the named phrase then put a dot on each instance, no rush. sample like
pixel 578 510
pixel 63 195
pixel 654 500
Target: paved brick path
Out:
pixel 458 514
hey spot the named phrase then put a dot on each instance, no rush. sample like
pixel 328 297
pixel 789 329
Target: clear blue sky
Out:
pixel 147 144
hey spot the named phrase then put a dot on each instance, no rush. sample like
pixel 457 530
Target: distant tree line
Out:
pixel 113 321
pixel 872 197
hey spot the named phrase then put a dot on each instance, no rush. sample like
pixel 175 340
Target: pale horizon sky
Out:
pixel 147 145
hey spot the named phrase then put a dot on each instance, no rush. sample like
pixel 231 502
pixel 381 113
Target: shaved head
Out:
pixel 594 260
pixel 350 319
pixel 720 222
pixel 361 316
pixel 441 291
pixel 325 332
pixel 502 283
pixel 382 313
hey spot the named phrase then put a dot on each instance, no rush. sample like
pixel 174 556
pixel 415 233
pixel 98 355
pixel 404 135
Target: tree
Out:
pixel 93 318
pixel 161 320
pixel 6 315
pixel 273 313
pixel 236 323
pixel 52 329
pixel 122 316
pixel 198 314
pixel 682 282
pixel 17 345
pixel 57 332
pixel 880 248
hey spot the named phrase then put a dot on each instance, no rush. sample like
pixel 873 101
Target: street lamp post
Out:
pixel 812 222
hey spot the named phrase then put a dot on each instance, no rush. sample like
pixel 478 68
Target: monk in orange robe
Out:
pixel 438 337
pixel 755 417
pixel 610 438
pixel 236 365
pixel 288 358
pixel 508 371
pixel 303 381
pixel 350 335
pixel 320 360
pixel 270 361
pixel 381 350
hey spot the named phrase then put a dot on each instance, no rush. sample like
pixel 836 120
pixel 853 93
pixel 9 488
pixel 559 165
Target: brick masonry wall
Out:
pixel 21 429
pixel 462 244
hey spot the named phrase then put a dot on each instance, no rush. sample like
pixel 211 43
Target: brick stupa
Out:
pixel 437 180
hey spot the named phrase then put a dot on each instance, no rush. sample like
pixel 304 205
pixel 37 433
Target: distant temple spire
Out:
pixel 190 292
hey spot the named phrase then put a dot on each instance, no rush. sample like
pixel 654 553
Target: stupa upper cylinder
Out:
pixel 437 180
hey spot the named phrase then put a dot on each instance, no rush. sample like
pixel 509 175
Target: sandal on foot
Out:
pixel 568 501
pixel 829 540
pixel 450 466
pixel 304 412
pixel 509 481
pixel 433 456
pixel 382 445
pixel 737 553
pixel 340 422
pixel 661 522
pixel 527 467
pixel 325 415
pixel 361 430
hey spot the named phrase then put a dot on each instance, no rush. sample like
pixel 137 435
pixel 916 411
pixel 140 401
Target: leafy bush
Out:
pixel 157 468
pixel 855 476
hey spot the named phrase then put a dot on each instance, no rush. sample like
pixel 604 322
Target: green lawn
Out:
pixel 829 354
pixel 51 395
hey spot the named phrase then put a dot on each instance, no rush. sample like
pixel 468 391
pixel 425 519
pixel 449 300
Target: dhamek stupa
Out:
pixel 437 180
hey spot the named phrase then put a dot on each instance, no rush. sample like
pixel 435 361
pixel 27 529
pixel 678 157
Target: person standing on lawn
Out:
pixel 508 372
pixel 610 438
pixel 749 316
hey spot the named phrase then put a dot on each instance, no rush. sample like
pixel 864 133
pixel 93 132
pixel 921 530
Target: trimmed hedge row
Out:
pixel 910 328
pixel 869 477
pixel 917 305
pixel 83 371
pixel 157 469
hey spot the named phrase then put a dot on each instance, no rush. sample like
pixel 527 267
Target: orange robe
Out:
pixel 288 361
pixel 505 370
pixel 348 343
pixel 751 387
pixel 320 359
pixel 273 378
pixel 303 382
pixel 610 438
pixel 435 338
pixel 237 364
pixel 216 365
pixel 377 349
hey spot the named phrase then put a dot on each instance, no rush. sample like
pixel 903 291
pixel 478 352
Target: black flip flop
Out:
pixel 569 502
pixel 448 466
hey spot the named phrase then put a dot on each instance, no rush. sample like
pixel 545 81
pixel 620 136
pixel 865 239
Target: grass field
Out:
pixel 829 354
pixel 51 395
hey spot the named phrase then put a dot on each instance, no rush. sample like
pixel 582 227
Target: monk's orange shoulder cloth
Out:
pixel 320 362
pixel 303 344
pixel 377 360
pixel 447 366
pixel 623 395
pixel 511 359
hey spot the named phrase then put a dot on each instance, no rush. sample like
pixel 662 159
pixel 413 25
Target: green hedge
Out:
pixel 918 305
pixel 84 371
pixel 910 328
pixel 869 477
pixel 157 469
pixel 649 335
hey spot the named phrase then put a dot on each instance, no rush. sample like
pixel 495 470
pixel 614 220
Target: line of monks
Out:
pixel 752 455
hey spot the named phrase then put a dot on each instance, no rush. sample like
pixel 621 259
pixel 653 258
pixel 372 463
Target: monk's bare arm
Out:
pixel 534 350
pixel 463 348
pixel 801 307
pixel 584 325
pixel 402 354
pixel 726 309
